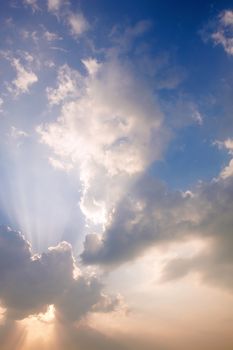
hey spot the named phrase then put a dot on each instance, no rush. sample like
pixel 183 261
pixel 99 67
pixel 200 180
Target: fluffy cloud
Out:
pixel 29 283
pixel 151 215
pixel 111 130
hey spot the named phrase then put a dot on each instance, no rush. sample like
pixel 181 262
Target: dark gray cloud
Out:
pixel 151 215
pixel 29 283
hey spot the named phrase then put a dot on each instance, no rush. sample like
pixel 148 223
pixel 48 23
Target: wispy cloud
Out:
pixel 67 86
pixel 32 3
pixel 223 31
pixel 24 78
pixel 77 23
pixel 55 5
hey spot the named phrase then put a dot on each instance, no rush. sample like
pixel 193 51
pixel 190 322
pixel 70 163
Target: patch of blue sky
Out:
pixel 189 159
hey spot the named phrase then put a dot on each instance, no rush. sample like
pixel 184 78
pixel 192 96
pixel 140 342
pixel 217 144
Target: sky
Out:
pixel 116 175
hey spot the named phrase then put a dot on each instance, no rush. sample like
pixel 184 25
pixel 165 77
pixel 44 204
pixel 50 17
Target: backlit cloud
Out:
pixel 116 163
pixel 106 131
pixel 30 283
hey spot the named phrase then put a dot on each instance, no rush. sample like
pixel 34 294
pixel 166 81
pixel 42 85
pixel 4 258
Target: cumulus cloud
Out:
pixel 30 283
pixel 112 130
pixel 151 215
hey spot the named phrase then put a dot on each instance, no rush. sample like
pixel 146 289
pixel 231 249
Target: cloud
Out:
pixel 92 65
pixel 29 283
pixel 87 338
pixel 182 111
pixel 124 37
pixel 151 215
pixel 55 5
pixel 50 36
pixel 77 23
pixel 228 145
pixel 32 3
pixel 16 133
pixel 108 131
pixel 67 85
pixel 226 18
pixel 228 170
pixel 25 77
pixel 1 104
pixel 223 34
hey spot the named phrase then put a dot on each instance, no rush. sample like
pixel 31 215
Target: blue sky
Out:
pixel 116 173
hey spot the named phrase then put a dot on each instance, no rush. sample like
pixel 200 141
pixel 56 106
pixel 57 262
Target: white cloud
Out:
pixel 16 133
pixel 112 130
pixel 55 5
pixel 92 66
pixel 223 35
pixel 67 85
pixel 228 170
pixel 24 78
pixel 77 23
pixel 50 36
pixel 229 145
pixel 226 18
pixel 32 3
